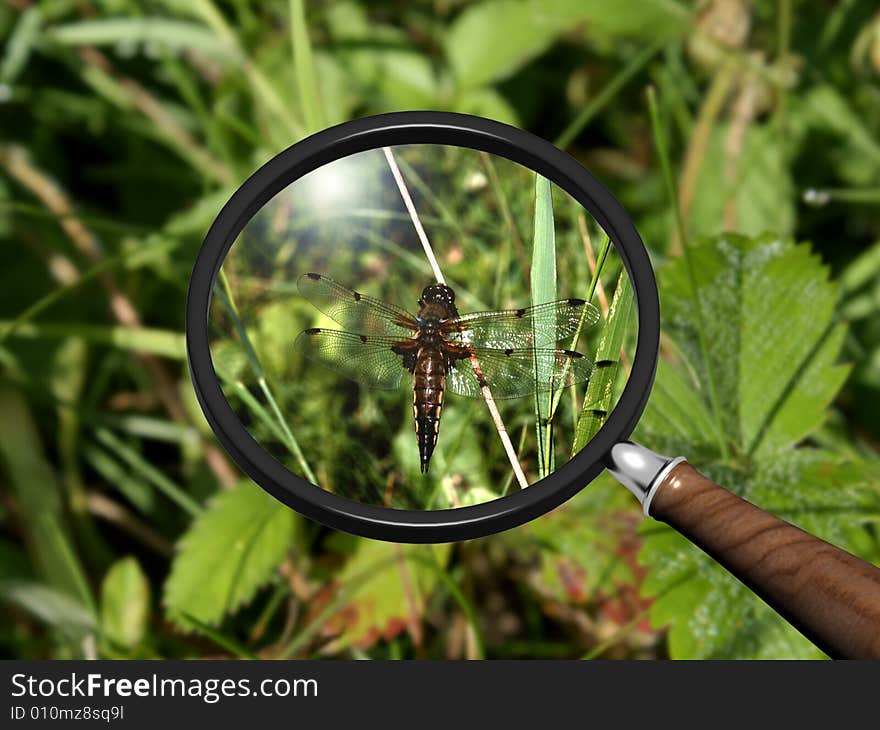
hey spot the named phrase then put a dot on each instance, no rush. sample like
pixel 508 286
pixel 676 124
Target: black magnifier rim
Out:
pixel 405 128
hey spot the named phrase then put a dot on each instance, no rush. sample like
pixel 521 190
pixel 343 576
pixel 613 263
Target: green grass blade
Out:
pixel 52 606
pixel 514 239
pixel 228 643
pixel 600 390
pixel 20 43
pixel 142 339
pixel 139 464
pixel 130 259
pixel 163 126
pixel 543 285
pixel 416 182
pixel 256 408
pixel 467 608
pixel 177 35
pixel 608 92
pixel 125 480
pixel 40 509
pixel 263 91
pixel 304 67
pixel 594 282
pixel 94 222
pixel 600 264
pixel 287 437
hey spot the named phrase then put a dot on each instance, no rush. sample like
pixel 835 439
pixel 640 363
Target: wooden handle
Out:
pixel 830 596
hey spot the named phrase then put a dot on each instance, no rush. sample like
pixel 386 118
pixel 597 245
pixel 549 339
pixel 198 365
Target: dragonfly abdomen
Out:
pixel 429 381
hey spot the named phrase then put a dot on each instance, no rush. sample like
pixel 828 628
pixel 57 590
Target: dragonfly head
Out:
pixel 438 294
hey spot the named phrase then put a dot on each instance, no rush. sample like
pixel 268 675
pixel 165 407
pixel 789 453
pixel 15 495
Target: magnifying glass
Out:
pixel 427 327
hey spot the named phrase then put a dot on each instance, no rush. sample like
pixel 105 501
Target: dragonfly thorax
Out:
pixel 436 304
pixel 437 294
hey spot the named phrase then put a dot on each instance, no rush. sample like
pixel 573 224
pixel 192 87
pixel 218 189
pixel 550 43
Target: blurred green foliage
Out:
pixel 126 125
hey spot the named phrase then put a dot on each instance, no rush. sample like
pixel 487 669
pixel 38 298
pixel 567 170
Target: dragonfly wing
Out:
pixel 367 359
pixel 510 373
pixel 540 326
pixel 353 310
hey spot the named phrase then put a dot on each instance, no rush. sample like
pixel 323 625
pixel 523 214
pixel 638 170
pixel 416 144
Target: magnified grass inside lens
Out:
pixel 422 327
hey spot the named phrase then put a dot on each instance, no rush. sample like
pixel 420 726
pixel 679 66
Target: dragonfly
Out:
pixel 477 355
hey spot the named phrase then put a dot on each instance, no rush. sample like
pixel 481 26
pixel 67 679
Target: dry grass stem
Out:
pixel 438 274
pixel 17 163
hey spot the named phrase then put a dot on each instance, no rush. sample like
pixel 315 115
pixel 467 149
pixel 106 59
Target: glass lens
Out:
pixel 422 327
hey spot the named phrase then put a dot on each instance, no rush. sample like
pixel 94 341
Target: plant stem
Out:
pixel 699 141
pixel 138 463
pixel 456 592
pixel 621 633
pixel 414 215
pixel 226 297
pixel 663 154
pixel 822 196
pixel 600 388
pixel 231 645
pixel 351 587
pixel 606 94
pixel 594 266
pixel 783 43
pixel 117 88
pixel 102 506
pixel 506 212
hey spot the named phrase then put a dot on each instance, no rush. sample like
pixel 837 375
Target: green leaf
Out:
pixel 491 40
pixel 772 340
pixel 582 543
pixel 393 583
pixel 768 307
pixel 406 80
pixel 826 107
pixel 711 614
pixel 227 554
pixel 486 102
pixel 610 19
pixel 391 78
pixel 125 603
pixel 678 416
pixel 375 64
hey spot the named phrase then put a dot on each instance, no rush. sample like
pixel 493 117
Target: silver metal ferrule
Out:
pixel 639 469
